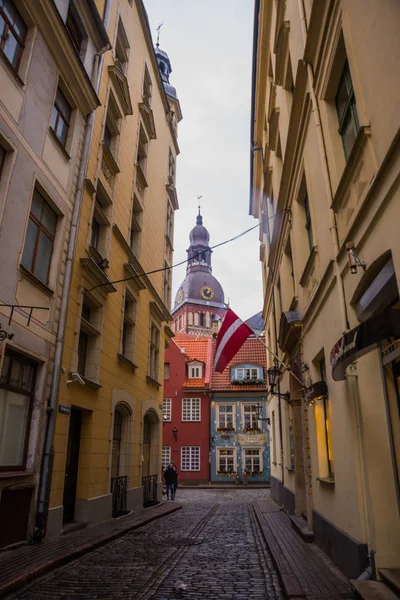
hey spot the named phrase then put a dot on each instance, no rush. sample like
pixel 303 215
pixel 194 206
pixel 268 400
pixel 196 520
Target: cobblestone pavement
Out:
pixel 213 545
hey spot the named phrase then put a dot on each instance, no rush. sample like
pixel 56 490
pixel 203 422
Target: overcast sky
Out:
pixel 209 43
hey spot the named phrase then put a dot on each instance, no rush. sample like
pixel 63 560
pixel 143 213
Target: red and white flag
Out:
pixel 231 337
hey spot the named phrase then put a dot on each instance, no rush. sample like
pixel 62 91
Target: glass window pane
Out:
pixel 29 248
pixel 20 28
pixel 14 409
pixel 63 105
pixel 16 372
pixel 9 10
pixel 49 218
pixel 2 23
pixel 43 257
pixel 11 49
pixel 4 370
pixel 37 205
pixel 349 133
pixel 53 119
pixel 62 131
pixel 27 378
pixel 342 98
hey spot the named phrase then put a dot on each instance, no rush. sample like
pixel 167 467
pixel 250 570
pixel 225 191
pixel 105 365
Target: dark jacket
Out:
pixel 170 476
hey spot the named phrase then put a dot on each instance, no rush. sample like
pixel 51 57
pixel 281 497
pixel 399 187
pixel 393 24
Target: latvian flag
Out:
pixel 231 337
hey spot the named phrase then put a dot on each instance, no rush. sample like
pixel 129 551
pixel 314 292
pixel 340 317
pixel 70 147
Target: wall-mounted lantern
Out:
pixel 175 433
pixel 274 374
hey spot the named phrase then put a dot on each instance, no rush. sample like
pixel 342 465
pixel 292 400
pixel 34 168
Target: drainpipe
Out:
pixel 48 450
pixel 326 175
pixel 210 442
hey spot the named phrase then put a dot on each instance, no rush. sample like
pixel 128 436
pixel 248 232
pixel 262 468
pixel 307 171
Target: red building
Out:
pixel 186 427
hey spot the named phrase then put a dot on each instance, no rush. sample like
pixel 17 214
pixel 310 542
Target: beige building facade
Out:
pixel 325 185
pixel 46 99
pixel 107 442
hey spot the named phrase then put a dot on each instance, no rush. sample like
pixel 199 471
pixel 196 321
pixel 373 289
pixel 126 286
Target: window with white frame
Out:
pixel 251 373
pixel 226 460
pixel 190 458
pixel 190 409
pixel 252 460
pixel 166 457
pixel 167 409
pixel 195 371
pixel 250 420
pixel 225 416
pixel 154 351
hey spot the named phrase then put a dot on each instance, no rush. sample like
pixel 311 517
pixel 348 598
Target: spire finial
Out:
pixel 158 34
pixel 199 220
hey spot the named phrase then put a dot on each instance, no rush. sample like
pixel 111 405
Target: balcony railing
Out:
pixel 149 484
pixel 119 486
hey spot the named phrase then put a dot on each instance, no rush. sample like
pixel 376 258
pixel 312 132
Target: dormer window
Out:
pixel 195 371
pixel 247 373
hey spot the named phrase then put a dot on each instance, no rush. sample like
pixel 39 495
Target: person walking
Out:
pixel 176 478
pixel 170 478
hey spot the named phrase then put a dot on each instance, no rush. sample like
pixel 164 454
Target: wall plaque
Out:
pixel 64 410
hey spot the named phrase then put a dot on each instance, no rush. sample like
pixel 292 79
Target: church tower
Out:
pixel 199 300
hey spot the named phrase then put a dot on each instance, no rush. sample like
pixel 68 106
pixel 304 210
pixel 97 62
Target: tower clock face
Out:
pixel 180 296
pixel 207 293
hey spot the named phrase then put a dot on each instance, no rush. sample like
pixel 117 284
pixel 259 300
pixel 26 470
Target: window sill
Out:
pixel 153 381
pixel 11 70
pixel 35 281
pixel 89 382
pixel 124 360
pixel 326 480
pixel 59 145
pixel 9 474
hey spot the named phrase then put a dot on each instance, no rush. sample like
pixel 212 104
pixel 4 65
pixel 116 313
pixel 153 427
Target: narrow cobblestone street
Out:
pixel 213 545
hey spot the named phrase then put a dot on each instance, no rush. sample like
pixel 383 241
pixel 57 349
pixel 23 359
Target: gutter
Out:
pixel 48 448
pixel 253 97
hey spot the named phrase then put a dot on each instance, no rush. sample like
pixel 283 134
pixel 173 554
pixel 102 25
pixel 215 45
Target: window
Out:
pixel 327 421
pixel 250 420
pixel 112 126
pixel 167 275
pixel 39 240
pixel 154 351
pixel 13 33
pixel 166 370
pixel 190 318
pixel 252 460
pixel 17 387
pixel 190 409
pixel 128 327
pixel 60 117
pixel 147 87
pixel 307 215
pixel 171 167
pixel 166 457
pixel 225 416
pixel 226 460
pixel 251 374
pixel 347 111
pixel 75 28
pixel 202 319
pixel 121 48
pixel 169 229
pixel 141 156
pixel 195 371
pixel 190 458
pixel 167 409
pixel 88 342
pixel 136 226
pixel 95 233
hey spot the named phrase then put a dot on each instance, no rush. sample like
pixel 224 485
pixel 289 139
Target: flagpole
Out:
pixel 279 360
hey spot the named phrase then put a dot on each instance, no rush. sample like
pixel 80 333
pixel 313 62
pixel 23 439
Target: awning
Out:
pixel 363 339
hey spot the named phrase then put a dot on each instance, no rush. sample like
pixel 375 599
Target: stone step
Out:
pixel 373 590
pixel 392 578
pixel 301 527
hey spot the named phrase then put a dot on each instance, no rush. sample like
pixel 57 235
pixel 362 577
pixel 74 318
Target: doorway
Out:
pixel 146 446
pixel 71 469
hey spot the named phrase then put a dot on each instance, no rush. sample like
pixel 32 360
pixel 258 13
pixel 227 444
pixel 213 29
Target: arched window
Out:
pixel 190 318
pixel 196 318
pixel 208 319
pixel 202 319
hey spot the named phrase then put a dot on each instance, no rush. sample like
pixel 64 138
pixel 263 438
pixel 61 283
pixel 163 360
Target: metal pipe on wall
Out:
pixel 48 450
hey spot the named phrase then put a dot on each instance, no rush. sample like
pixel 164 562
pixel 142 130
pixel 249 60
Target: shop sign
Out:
pixel 252 438
pixel 64 410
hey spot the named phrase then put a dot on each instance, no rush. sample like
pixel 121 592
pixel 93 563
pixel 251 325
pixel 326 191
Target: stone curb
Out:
pixel 14 582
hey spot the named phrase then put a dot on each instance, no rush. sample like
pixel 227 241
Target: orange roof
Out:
pixel 252 352
pixel 196 348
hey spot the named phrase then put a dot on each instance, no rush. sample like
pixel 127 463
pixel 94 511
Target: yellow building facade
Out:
pixel 107 442
pixel 325 186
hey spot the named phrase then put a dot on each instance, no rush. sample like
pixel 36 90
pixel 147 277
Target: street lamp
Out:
pixel 175 433
pixel 259 414
pixel 274 374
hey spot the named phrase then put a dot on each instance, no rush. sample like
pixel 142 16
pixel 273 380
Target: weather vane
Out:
pixel 158 33
pixel 199 198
